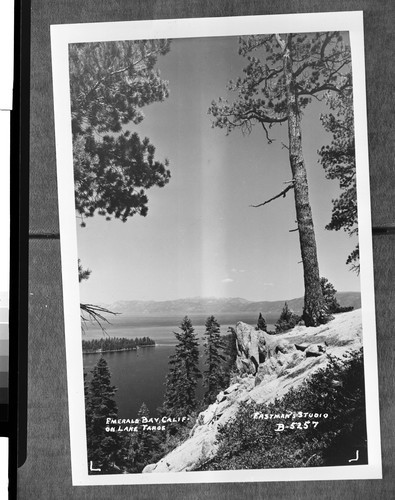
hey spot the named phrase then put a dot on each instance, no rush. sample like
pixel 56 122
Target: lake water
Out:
pixel 140 375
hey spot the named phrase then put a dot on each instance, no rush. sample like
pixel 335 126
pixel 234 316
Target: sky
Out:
pixel 201 237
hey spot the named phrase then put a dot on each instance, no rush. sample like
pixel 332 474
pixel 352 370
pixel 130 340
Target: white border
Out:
pixel 61 36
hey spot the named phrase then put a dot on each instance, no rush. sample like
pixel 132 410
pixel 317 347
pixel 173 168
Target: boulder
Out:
pixel 248 340
pixel 245 366
pixel 301 347
pixel 256 346
pixel 232 388
pixel 315 350
pixel 149 468
pixel 220 397
pixel 270 369
pixel 207 416
pixel 277 366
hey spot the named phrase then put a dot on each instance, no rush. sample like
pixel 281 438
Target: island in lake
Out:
pixel 115 344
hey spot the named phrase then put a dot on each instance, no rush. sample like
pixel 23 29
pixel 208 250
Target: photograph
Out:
pixel 214 206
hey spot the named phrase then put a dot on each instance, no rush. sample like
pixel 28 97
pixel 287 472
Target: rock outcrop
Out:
pixel 254 347
pixel 269 365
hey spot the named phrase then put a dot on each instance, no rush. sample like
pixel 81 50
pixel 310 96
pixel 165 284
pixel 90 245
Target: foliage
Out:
pixel 143 445
pixel 181 381
pixel 338 160
pixel 329 293
pixel 110 83
pixel 287 320
pixel 337 390
pixel 83 274
pixel 114 183
pixel 104 448
pixel 320 63
pixel 261 325
pixel 213 376
pixel 173 437
pixel 115 344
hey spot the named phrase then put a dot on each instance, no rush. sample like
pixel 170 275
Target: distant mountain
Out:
pixel 211 305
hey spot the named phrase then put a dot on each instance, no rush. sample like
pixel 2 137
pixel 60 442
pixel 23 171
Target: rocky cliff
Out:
pixel 268 366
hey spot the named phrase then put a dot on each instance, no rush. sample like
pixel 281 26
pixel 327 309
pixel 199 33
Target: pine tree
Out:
pixel 109 84
pixel 329 293
pixel 288 319
pixel 181 381
pixel 143 444
pixel 261 325
pixel 145 438
pixel 214 376
pixel 283 73
pixel 105 449
pixel 338 160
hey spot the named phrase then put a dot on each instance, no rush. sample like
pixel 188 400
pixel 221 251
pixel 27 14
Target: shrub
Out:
pixel 337 390
pixel 329 293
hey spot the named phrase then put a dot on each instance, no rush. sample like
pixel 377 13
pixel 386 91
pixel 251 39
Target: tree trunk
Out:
pixel 315 311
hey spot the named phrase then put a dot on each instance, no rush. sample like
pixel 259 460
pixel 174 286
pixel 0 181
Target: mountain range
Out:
pixel 212 305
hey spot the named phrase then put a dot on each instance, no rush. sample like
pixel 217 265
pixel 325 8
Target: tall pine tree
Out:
pixel 181 381
pixel 105 449
pixel 143 444
pixel 284 72
pixel 214 376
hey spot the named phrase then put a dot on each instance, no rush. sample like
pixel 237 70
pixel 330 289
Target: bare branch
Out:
pixel 293 230
pixel 270 141
pixel 327 86
pixel 264 118
pixel 283 194
pixel 95 314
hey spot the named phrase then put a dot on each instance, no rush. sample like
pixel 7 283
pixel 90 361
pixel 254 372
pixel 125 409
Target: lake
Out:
pixel 140 375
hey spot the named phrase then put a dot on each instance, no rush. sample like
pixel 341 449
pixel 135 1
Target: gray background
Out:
pixel 46 473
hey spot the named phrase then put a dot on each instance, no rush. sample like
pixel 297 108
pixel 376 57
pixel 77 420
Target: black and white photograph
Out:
pixel 214 210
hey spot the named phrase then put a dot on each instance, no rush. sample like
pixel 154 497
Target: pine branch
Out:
pixel 283 194
pixel 117 72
